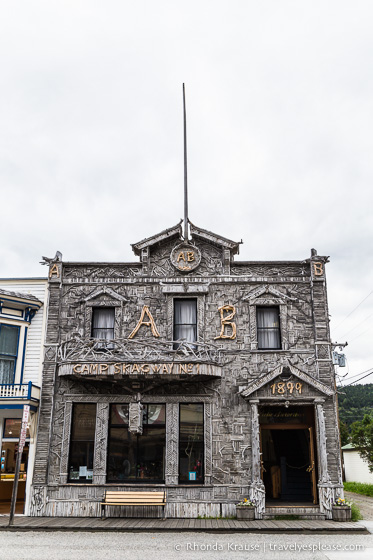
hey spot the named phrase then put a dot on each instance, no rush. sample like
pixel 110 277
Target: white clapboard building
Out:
pixel 23 312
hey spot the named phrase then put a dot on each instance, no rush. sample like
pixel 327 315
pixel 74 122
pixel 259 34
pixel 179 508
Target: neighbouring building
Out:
pixel 22 330
pixel 356 469
pixel 189 371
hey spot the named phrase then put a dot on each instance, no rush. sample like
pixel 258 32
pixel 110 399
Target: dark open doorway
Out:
pixel 288 454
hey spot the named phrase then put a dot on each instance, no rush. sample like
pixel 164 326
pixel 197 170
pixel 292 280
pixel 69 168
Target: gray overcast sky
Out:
pixel 279 103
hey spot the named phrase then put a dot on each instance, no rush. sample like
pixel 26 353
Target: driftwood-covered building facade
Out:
pixel 192 372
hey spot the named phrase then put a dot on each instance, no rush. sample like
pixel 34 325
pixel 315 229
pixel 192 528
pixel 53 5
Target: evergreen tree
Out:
pixel 345 436
pixel 362 438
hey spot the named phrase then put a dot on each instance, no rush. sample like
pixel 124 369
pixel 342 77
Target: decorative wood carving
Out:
pixel 150 323
pixel 263 271
pixel 172 443
pixel 226 322
pixel 101 441
pixel 65 442
pixel 322 453
pixel 257 490
pixel 298 374
pixel 79 349
pixel 185 257
pixel 208 444
pixel 135 417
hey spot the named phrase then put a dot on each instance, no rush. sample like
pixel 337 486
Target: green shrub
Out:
pixel 359 488
pixel 355 512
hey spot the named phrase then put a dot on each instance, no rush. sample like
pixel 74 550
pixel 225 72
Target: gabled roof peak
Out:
pixel 169 233
pixel 196 233
pixel 199 233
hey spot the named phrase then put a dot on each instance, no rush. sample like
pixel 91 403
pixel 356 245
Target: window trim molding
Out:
pixel 69 440
pixel 135 481
pixel 205 461
pixel 111 328
pixel 170 310
pixel 102 431
pixel 18 353
pixel 268 302
pixel 88 315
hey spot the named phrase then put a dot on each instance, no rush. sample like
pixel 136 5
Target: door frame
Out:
pixel 311 450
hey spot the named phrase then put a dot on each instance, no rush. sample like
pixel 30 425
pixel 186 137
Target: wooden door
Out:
pixel 312 468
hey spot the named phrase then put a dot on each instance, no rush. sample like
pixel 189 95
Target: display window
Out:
pixel 137 457
pixel 8 459
pixel 12 428
pixel 191 444
pixel 82 443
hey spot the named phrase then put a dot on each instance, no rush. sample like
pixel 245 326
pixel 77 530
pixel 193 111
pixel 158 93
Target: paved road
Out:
pixel 365 504
pixel 150 546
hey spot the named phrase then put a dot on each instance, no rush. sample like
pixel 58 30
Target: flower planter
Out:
pixel 341 513
pixel 245 512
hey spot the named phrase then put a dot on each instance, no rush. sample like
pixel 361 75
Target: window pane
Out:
pixel 137 457
pixel 7 366
pixel 268 324
pixel 121 455
pixel 156 414
pixel 12 428
pixel 103 322
pixel 119 414
pixel 9 453
pixel 8 340
pixel 82 443
pixel 191 443
pixel 185 320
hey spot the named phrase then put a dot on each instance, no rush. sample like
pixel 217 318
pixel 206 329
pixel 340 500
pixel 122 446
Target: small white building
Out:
pixel 23 313
pixel 355 467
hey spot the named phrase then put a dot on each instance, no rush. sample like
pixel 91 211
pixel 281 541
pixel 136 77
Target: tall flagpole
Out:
pixel 185 174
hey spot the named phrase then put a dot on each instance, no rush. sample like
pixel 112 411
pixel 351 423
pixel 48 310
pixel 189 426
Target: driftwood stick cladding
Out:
pixel 150 323
pixel 226 322
pixel 172 444
pixel 137 376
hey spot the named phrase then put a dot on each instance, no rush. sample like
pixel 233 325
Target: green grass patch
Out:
pixel 355 512
pixel 359 488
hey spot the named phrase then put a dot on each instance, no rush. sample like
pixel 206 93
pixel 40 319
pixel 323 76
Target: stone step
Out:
pixel 303 512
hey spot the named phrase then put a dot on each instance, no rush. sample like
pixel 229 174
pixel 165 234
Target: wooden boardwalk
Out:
pixel 23 523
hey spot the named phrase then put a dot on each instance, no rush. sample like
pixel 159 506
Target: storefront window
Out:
pixel 137 457
pixel 12 428
pixel 8 459
pixel 82 443
pixel 191 444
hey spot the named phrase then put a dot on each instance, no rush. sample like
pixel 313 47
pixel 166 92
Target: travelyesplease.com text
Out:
pixel 262 547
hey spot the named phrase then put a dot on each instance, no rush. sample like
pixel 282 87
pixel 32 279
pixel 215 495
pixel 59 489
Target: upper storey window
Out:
pixel 268 325
pixel 103 322
pixel 8 352
pixel 185 320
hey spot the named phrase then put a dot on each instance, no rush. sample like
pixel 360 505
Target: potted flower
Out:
pixel 245 509
pixel 341 510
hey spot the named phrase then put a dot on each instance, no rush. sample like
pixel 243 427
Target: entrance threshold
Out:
pixel 299 510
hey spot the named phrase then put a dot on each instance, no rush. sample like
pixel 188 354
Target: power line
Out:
pixel 347 316
pixel 357 380
pixel 358 374
pixel 361 334
pixel 356 326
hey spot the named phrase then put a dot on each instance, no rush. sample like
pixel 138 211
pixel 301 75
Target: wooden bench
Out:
pixel 123 498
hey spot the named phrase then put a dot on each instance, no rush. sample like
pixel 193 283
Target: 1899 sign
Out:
pixel 281 388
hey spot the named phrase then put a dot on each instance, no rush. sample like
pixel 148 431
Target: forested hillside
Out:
pixel 354 402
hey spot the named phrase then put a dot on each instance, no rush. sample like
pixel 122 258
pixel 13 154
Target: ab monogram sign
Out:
pixel 185 257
